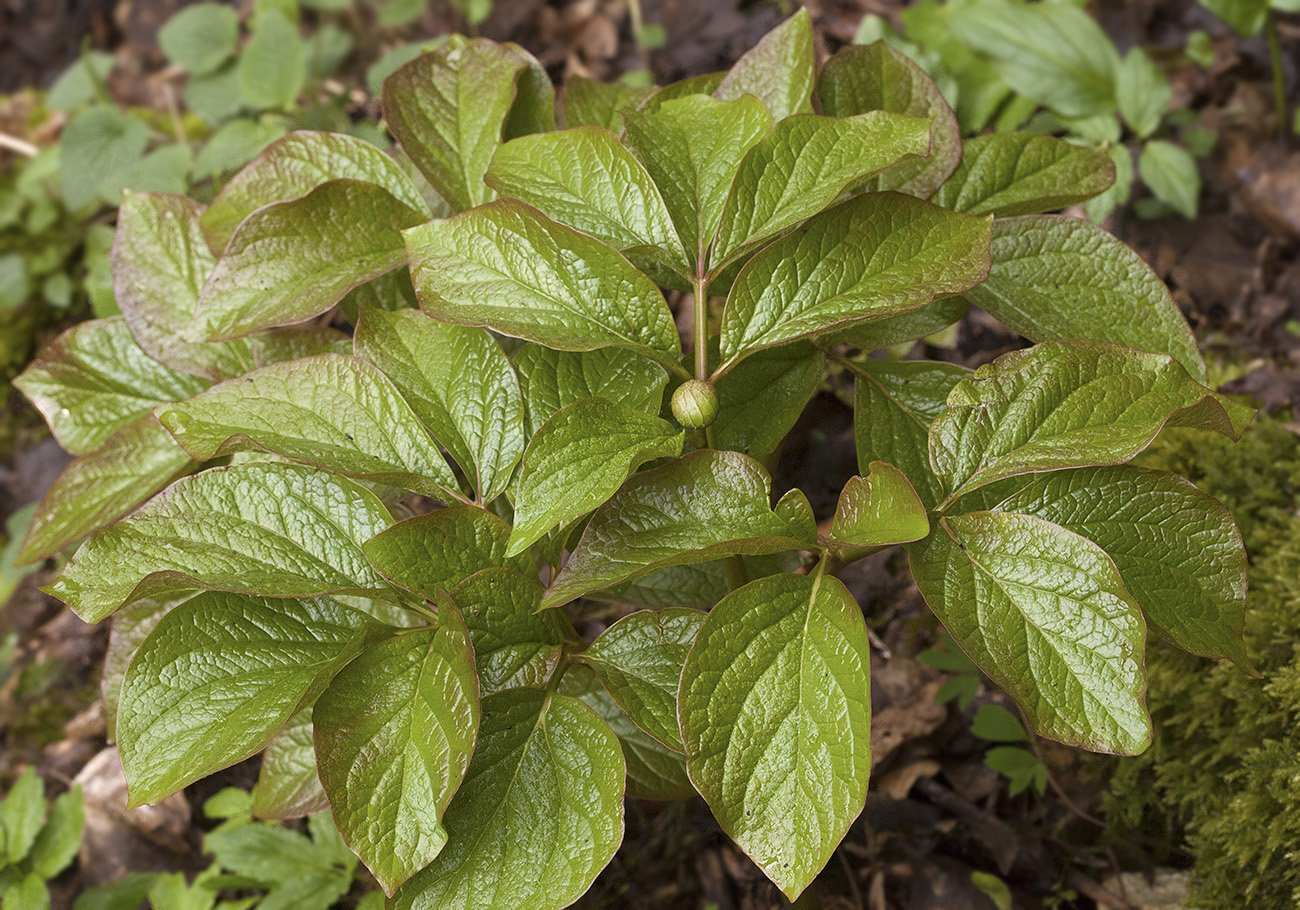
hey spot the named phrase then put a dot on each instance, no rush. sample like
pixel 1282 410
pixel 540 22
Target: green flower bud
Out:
pixel 695 404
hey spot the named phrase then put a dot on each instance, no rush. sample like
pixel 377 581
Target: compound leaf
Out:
pixel 459 383
pixel 701 507
pixel 394 734
pixel 579 458
pixel 1055 278
pixel 538 816
pixel 1045 614
pixel 331 410
pixel 775 713
pixel 508 267
pixel 239 529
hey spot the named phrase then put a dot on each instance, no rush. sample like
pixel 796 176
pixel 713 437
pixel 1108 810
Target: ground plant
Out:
pixel 573 351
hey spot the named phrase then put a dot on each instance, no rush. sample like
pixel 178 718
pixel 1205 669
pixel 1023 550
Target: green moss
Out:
pixel 1224 770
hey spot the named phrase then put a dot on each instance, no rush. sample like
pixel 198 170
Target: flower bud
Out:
pixel 695 404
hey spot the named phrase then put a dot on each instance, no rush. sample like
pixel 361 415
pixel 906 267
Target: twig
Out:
pixel 14 144
pixel 1279 76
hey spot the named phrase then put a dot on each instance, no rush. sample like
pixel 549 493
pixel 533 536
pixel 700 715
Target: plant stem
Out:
pixel 634 11
pixel 1279 76
pixel 701 288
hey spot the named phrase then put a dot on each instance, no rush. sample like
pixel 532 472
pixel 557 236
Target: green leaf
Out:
pixel 57 844
pixel 93 380
pixel 237 529
pixel 692 148
pixel 96 147
pixel 803 165
pixel 551 380
pixel 288 785
pixel 1020 766
pixel 292 167
pixel 776 719
pixel 30 893
pixel 218 678
pixel 701 507
pixel 760 400
pixel 514 644
pixel 448 109
pixel 75 86
pixel 1101 206
pixel 997 725
pixel 534 108
pixel 1067 405
pixel 1057 278
pixel 1143 93
pixel 23 813
pixel 894 406
pixel 164 170
pixel 1245 16
pixel 394 735
pixel 584 178
pixel 1045 614
pixel 1170 172
pixel 879 509
pixel 639 661
pixel 877 77
pixel 292 260
pixel 579 458
pixel 160 264
pixel 1006 174
pixel 273 64
pixel 1178 550
pixel 459 383
pixel 1053 53
pixel 97 489
pixel 539 815
pixel 872 256
pixel 508 267
pixel 201 37
pixel 437 551
pixel 11 573
pixel 330 410
pixel 604 104
pixel 130 626
pixel 216 96
pixel 875 334
pixel 778 71
pixel 234 144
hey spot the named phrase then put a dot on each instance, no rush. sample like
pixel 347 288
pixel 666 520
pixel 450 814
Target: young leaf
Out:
pixel 201 37
pixel 1056 278
pixel 329 410
pixel 508 267
pixel 551 380
pixel 653 770
pixel 538 816
pixel 1169 171
pixel 97 489
pixel 584 178
pixel 803 165
pixel 592 102
pixel 872 256
pixel 448 109
pixel 1178 550
pixel 1007 174
pixel 639 660
pixel 760 400
pixel 394 734
pixel 775 713
pixel 459 383
pixel 273 66
pixel 692 148
pixel 288 785
pixel 701 507
pixel 289 261
pixel 437 551
pixel 876 77
pixel 514 643
pixel 160 264
pixel 219 677
pixel 1045 614
pixel 579 458
pixel 1067 405
pixel 232 529
pixel 292 167
pixel 879 509
pixel 93 380
pixel 1143 93
pixel 778 71
pixel 894 406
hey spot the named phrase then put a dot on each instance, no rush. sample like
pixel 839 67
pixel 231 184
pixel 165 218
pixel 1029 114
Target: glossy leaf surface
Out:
pixel 779 71
pixel 1007 174
pixel 514 643
pixel 878 509
pixel 552 380
pixel 288 785
pixel 762 397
